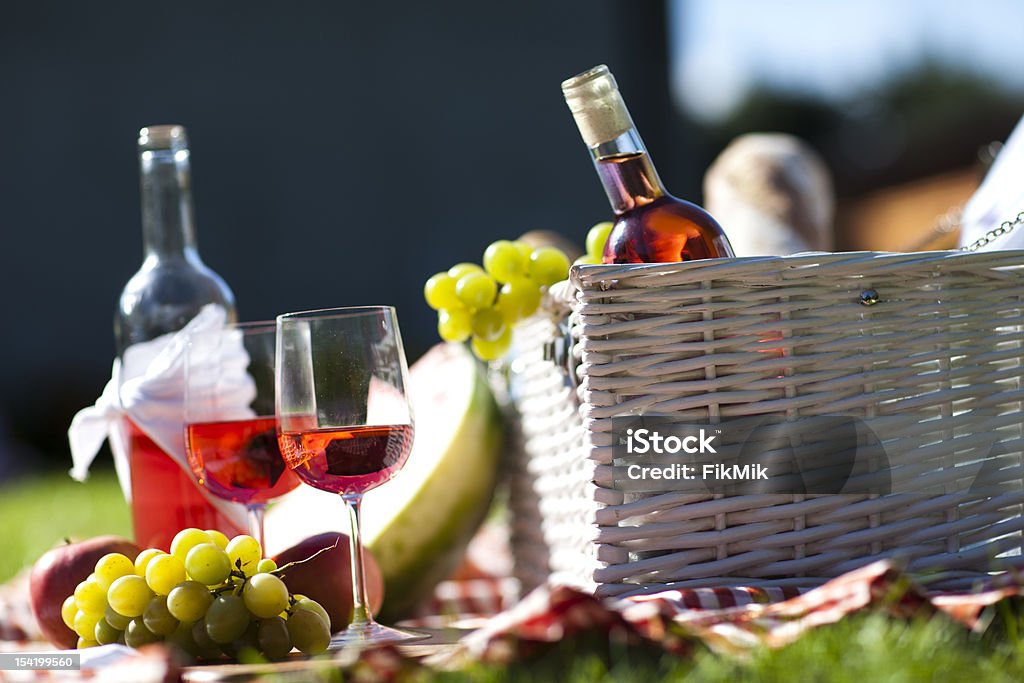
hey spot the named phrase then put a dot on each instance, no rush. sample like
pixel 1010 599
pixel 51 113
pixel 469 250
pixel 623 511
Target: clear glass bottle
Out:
pixel 651 225
pixel 168 290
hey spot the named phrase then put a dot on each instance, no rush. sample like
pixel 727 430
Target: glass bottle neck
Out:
pixel 168 228
pixel 627 174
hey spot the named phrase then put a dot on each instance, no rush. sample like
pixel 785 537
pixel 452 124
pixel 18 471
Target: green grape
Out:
pixel 265 595
pixel 158 618
pixel 244 648
pixel 265 566
pixel 208 564
pixel 219 539
pixel 227 619
pixel 185 638
pixel 492 350
pixel 439 291
pixel 476 290
pixel 206 647
pixel 129 595
pixel 454 325
pixel 137 635
pixel 189 601
pixel 68 610
pixel 142 561
pixel 314 607
pixel 245 553
pixel 460 269
pixel 164 573
pixel 273 638
pixel 504 261
pixel 525 249
pixel 186 539
pixel 91 596
pixel 182 639
pixel 118 621
pixel 85 624
pixel 105 634
pixel 548 265
pixel 587 260
pixel 308 632
pixel 518 299
pixel 597 236
pixel 488 324
pixel 85 642
pixel 112 566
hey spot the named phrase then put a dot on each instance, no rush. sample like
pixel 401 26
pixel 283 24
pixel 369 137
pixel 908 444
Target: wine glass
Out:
pixel 344 421
pixel 230 428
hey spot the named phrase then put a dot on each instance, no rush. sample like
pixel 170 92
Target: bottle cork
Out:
pixel 594 100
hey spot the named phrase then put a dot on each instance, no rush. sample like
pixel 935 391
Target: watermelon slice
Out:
pixel 418 525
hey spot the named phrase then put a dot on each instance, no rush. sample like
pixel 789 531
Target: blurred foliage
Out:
pixel 39 512
pixel 925 119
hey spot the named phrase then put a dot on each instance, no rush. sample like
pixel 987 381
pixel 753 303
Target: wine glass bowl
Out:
pixel 239 460
pixel 345 422
pixel 350 460
pixel 230 427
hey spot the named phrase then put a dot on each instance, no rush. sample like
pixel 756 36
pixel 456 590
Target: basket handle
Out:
pixel 559 352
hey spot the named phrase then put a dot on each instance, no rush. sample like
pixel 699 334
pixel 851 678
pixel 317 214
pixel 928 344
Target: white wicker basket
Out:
pixel 922 342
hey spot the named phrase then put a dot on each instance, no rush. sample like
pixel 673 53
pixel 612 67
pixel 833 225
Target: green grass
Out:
pixel 877 648
pixel 40 511
pixel 37 512
pixel 861 649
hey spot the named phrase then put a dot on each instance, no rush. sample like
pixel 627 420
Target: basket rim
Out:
pixel 802 260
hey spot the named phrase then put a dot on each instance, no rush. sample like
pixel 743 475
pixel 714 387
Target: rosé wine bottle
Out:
pixel 168 290
pixel 651 225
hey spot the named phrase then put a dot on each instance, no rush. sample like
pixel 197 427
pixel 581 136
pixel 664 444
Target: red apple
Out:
pixel 327 578
pixel 56 574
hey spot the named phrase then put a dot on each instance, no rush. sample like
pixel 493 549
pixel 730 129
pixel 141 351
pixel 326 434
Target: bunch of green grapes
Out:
pixel 483 304
pixel 209 596
pixel 596 239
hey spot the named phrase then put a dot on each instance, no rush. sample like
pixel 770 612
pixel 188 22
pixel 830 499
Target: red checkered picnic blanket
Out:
pixel 730 620
pixel 727 619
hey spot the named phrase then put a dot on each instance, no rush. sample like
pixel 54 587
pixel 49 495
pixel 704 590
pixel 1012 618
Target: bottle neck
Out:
pixel 168 228
pixel 627 174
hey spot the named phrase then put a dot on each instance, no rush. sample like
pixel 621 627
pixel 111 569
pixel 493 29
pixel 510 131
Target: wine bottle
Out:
pixel 651 225
pixel 168 290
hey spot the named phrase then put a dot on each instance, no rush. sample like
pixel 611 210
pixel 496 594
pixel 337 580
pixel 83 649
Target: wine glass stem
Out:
pixel 360 605
pixel 256 511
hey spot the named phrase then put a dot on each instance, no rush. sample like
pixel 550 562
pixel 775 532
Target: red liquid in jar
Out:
pixel 165 498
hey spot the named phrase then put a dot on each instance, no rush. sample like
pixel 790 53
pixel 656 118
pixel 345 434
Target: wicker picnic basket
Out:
pixel 929 344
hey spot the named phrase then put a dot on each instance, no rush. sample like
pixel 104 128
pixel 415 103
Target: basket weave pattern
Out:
pixel 552 491
pixel 936 359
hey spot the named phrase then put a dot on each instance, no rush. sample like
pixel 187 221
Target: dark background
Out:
pixel 342 153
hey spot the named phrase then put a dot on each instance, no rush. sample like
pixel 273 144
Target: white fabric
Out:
pixel 152 389
pixel 1000 197
pixel 220 387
